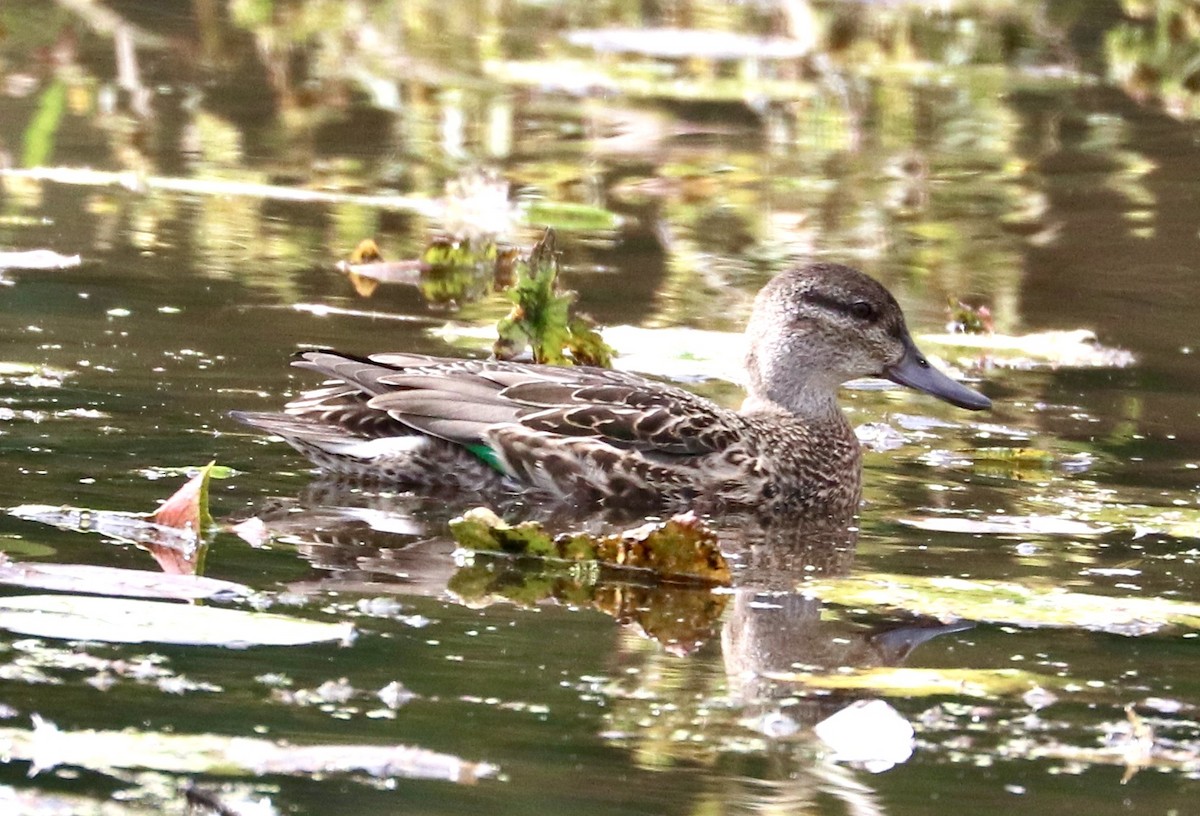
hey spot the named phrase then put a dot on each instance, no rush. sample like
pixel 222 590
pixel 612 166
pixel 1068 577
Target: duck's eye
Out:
pixel 862 310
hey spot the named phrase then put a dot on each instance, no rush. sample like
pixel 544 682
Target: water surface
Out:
pixel 1012 157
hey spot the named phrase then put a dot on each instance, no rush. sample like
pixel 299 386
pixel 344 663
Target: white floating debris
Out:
pixel 869 733
pixel 1054 349
pixel 37 259
pixel 120 620
pixel 1006 525
pixel 879 436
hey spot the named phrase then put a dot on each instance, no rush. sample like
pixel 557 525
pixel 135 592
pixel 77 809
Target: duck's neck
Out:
pixel 815 406
pixel 784 381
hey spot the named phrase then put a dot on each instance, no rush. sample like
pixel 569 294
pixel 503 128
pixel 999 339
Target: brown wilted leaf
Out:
pixel 187 509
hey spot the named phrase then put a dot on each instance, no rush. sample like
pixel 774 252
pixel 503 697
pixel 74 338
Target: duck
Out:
pixel 595 437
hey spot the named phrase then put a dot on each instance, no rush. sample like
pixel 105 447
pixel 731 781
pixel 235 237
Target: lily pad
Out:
pixel 119 620
pixel 680 353
pixel 87 578
pixel 131 527
pixel 913 682
pixel 568 216
pixel 1007 602
pixel 46 747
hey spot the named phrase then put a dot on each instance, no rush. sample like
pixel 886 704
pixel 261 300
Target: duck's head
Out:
pixel 815 327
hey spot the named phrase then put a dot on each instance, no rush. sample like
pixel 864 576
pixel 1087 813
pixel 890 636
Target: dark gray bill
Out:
pixel 915 371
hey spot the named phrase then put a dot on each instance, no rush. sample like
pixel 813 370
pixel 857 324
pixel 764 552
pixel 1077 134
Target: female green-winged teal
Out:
pixel 608 437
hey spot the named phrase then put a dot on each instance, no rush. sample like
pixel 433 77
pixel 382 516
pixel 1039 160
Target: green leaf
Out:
pixel 569 216
pixel 39 136
pixel 541 316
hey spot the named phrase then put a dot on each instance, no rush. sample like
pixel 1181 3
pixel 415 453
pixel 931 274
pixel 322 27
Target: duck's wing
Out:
pixel 628 412
pixel 462 400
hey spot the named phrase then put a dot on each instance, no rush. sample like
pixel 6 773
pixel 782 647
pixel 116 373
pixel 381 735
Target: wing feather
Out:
pixel 462 400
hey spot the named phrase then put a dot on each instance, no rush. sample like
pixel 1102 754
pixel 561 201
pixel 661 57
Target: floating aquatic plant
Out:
pixel 682 549
pixel 541 316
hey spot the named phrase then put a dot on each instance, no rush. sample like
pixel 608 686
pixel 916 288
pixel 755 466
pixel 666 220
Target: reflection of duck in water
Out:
pixel 772 626
pixel 614 439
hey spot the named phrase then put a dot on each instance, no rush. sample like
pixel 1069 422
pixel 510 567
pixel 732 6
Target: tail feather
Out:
pixel 412 459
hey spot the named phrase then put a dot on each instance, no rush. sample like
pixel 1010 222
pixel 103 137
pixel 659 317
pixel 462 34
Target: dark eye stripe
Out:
pixel 851 309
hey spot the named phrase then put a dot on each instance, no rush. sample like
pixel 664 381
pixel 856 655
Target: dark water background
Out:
pixel 1040 158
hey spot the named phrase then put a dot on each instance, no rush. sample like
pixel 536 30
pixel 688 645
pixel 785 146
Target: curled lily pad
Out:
pixel 187 508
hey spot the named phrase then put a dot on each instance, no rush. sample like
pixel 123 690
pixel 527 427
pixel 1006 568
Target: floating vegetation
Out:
pixel 47 747
pixel 541 316
pixel 121 620
pixel 570 216
pixel 687 354
pixel 218 188
pixel 869 733
pixel 678 353
pixel 656 576
pixel 173 534
pixel 680 550
pixel 1077 512
pixel 1007 525
pixel 912 682
pixel 88 578
pixel 1007 602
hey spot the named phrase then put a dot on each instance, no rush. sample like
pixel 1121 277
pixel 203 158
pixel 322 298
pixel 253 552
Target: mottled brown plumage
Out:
pixel 611 438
